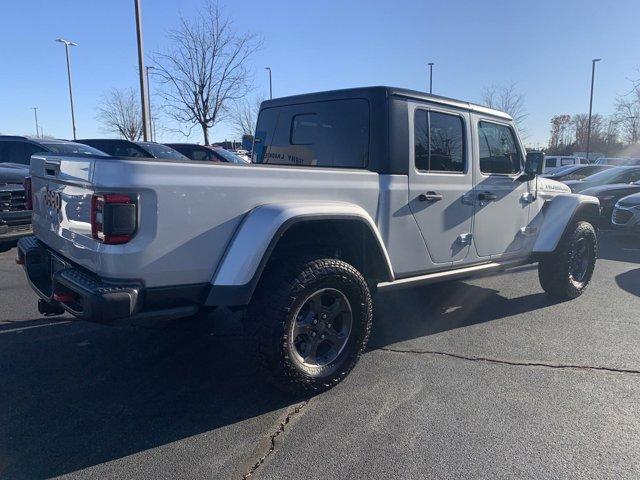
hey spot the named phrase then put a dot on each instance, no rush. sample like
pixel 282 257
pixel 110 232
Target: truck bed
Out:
pixel 187 211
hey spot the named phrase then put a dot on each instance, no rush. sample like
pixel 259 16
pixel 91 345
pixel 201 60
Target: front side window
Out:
pixel 438 142
pixel 567 161
pixel 499 152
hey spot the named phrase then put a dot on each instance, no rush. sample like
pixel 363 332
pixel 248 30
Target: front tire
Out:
pixel 310 321
pixel 566 272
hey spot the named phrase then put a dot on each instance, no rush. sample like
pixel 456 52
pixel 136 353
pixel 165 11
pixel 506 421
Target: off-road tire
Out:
pixel 554 269
pixel 280 294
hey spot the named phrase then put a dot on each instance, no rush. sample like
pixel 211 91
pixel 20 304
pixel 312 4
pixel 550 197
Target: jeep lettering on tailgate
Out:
pixel 53 199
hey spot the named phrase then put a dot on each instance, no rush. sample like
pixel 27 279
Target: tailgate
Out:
pixel 62 193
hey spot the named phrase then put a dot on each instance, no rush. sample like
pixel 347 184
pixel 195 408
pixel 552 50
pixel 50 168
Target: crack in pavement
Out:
pixel 499 361
pixel 272 438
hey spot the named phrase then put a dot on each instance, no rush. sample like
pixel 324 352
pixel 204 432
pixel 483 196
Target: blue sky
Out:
pixel 544 46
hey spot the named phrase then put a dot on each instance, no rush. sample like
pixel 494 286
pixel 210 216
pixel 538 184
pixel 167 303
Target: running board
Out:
pixel 456 274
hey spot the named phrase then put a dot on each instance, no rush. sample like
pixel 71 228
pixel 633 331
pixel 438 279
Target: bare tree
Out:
pixel 206 70
pixel 119 113
pixel 628 115
pixel 598 130
pixel 245 116
pixel 508 99
pixel 560 136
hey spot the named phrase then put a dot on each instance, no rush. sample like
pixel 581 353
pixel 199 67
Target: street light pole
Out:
pixel 144 94
pixel 593 73
pixel 430 77
pixel 151 126
pixel 35 113
pixel 68 44
pixel 270 84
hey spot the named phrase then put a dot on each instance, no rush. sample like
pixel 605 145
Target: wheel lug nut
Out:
pixel 323 336
pixel 315 321
pixel 324 316
pixel 313 334
pixel 328 325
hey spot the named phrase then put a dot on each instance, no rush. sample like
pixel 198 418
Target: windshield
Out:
pixel 613 161
pixel 228 156
pixel 561 170
pixel 602 178
pixel 70 147
pixel 162 151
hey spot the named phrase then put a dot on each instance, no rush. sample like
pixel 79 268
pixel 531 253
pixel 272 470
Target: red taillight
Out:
pixel 28 195
pixel 113 218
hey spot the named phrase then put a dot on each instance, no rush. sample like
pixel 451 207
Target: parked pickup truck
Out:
pixel 15 215
pixel 349 192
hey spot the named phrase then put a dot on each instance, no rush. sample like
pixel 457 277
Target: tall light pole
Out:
pixel 593 73
pixel 270 85
pixel 151 129
pixel 430 76
pixel 144 94
pixel 35 113
pixel 68 44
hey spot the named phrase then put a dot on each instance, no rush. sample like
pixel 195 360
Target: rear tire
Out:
pixel 566 272
pixel 310 321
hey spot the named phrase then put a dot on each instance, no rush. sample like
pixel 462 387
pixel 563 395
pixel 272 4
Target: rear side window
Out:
pixel 118 148
pixel 567 161
pixel 197 154
pixel 323 134
pixel 551 162
pixel 634 176
pixel 18 152
pixel 438 142
pixel 499 152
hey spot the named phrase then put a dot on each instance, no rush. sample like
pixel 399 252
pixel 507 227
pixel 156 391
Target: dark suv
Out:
pixel 15 154
pixel 126 148
pixel 206 153
pixel 15 215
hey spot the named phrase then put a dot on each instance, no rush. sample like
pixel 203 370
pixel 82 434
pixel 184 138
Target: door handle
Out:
pixel 486 196
pixel 430 197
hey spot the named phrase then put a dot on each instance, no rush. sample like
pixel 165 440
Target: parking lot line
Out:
pixel 20 329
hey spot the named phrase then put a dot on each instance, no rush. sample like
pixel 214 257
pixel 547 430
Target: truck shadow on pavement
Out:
pixel 630 281
pixel 78 395
pixel 84 394
pixel 433 309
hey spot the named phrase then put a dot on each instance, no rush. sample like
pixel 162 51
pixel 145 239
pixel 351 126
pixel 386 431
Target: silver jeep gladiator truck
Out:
pixel 349 192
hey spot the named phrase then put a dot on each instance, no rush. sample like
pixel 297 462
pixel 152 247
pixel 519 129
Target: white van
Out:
pixel 551 162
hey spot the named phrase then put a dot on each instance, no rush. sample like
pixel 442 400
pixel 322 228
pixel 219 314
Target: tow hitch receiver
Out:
pixel 48 309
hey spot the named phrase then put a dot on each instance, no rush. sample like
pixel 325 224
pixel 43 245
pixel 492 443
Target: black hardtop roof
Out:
pixel 384 92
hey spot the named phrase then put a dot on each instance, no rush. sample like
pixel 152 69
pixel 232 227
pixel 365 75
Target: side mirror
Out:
pixel 534 164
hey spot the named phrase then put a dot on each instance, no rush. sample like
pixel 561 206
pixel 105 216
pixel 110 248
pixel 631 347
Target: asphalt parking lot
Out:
pixel 479 379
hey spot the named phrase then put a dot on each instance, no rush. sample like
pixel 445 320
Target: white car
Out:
pixel 552 163
pixel 351 192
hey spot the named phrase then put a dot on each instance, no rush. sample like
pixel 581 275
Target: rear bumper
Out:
pixel 85 295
